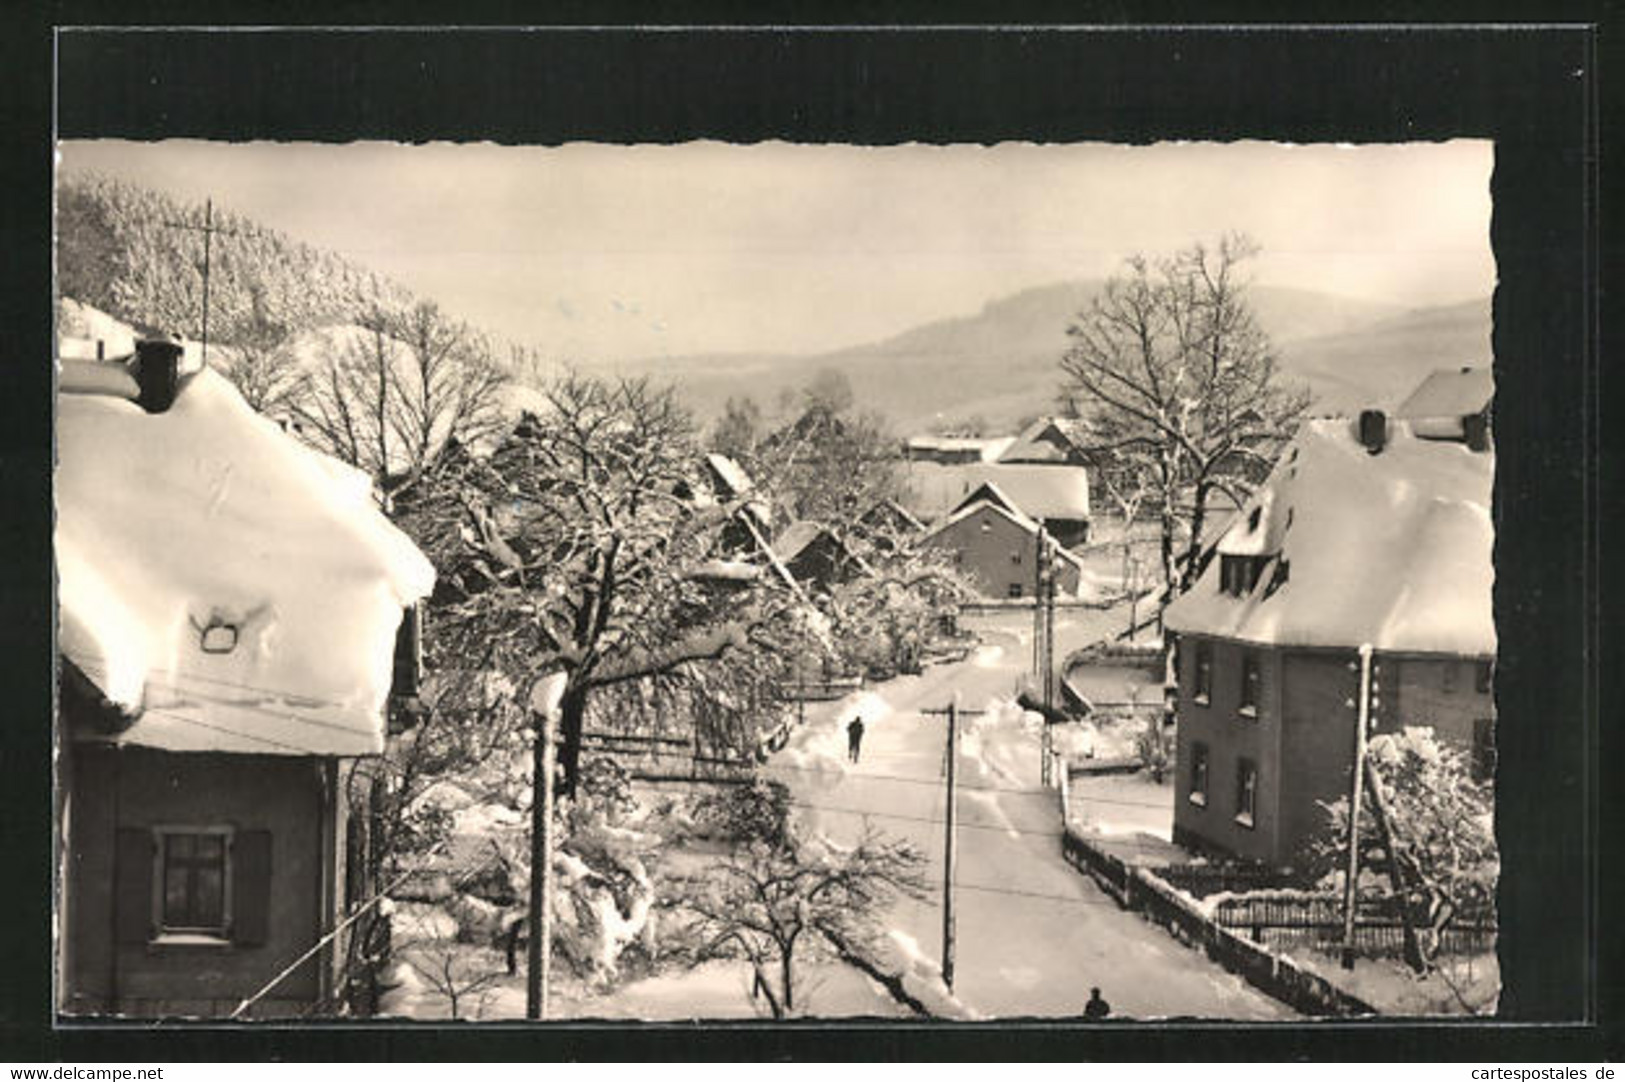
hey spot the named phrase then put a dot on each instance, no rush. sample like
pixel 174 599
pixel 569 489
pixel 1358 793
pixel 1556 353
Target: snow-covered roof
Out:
pixel 985 448
pixel 1031 446
pixel 1037 491
pixel 796 537
pixel 1449 392
pixel 1392 549
pixel 991 503
pixel 239 590
pixel 735 482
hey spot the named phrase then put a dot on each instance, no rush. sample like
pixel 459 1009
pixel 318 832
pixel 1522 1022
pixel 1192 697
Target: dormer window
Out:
pixel 1239 574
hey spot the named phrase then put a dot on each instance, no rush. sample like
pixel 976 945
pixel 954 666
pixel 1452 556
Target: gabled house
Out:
pixel 1366 555
pixel 815 556
pixel 1451 404
pixel 887 526
pixel 998 547
pixel 1056 494
pixel 230 636
pixel 1058 441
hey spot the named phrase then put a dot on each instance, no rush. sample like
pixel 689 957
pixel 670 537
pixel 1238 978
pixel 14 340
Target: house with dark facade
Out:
pixel 1056 494
pixel 1364 560
pixel 231 621
pixel 999 547
pixel 812 553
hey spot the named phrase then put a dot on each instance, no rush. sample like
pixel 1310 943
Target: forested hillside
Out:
pixel 127 251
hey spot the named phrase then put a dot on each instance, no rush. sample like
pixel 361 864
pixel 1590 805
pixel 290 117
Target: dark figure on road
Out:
pixel 854 738
pixel 1096 1008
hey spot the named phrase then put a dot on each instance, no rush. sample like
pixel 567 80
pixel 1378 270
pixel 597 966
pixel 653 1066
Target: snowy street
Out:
pixel 1033 935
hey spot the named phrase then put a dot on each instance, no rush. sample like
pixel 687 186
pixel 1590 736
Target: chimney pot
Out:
pixel 1373 430
pixel 157 373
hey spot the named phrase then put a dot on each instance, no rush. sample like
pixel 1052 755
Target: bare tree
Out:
pixel 403 390
pixel 1173 370
pixel 771 904
pixel 260 360
pixel 456 971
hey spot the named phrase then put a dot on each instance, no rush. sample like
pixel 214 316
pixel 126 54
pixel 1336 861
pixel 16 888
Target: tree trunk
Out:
pixel 1187 577
pixel 572 722
pixel 787 977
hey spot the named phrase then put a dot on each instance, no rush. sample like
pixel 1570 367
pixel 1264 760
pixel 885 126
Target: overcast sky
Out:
pixel 600 251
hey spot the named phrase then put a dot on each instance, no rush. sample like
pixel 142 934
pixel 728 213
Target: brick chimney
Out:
pixel 157 372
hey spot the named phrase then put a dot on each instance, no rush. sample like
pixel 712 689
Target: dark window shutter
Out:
pixel 132 895
pixel 251 887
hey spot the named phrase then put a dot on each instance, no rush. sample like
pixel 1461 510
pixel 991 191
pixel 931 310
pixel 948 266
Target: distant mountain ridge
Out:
pixel 1001 364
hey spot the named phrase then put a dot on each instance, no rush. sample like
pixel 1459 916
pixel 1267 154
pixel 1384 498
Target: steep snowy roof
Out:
pixel 1392 549
pixel 733 482
pixel 1449 392
pixel 1035 444
pixel 1039 491
pixel 238 589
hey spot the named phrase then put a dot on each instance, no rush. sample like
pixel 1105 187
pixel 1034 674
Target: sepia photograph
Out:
pixel 781 580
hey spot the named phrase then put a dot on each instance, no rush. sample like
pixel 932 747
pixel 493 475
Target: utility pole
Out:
pixel 949 847
pixel 1044 643
pixel 1351 897
pixel 544 703
pixel 208 229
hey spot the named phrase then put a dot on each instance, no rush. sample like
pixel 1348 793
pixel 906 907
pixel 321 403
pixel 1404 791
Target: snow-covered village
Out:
pixel 774 582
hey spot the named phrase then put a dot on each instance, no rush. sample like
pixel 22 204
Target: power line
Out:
pixel 924 819
pixel 935 783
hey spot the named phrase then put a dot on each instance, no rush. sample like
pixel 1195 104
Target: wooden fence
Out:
pixel 1142 890
pixel 1306 919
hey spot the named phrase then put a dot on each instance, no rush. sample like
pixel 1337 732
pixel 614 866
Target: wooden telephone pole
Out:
pixel 1044 643
pixel 949 850
pixel 208 229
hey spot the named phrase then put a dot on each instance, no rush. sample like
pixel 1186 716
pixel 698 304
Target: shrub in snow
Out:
pixel 771 904
pixel 1443 838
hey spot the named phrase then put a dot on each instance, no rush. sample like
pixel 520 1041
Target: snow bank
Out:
pixel 1393 549
pixel 240 588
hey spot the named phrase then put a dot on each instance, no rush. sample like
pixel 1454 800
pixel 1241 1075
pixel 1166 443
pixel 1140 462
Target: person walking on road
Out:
pixel 854 737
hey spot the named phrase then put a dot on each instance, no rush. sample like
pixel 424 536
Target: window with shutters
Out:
pixel 193 885
pixel 191 881
pixel 193 874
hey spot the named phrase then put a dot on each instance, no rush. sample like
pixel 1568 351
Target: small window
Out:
pixel 1486 677
pixel 1447 677
pixel 1252 678
pixel 1015 557
pixel 192 882
pixel 1198 774
pixel 1202 688
pixel 1015 589
pixel 1246 791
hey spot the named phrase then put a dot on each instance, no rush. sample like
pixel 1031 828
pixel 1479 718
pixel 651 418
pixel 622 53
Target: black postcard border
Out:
pixel 1532 89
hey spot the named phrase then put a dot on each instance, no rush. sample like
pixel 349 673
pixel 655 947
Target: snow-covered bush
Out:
pixel 1442 820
